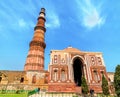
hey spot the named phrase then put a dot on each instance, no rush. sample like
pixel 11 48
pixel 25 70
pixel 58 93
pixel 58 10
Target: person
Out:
pixel 38 90
pixel 91 92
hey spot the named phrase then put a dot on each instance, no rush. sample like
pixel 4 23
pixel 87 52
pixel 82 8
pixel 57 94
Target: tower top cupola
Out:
pixel 42 12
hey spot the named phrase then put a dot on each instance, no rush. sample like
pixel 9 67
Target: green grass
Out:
pixel 13 95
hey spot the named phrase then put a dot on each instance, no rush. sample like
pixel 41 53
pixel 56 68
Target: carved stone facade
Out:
pixel 69 65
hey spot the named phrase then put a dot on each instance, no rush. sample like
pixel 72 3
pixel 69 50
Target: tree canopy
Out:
pixel 105 88
pixel 117 80
pixel 84 86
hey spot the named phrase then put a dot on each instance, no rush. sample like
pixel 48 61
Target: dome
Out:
pixel 71 49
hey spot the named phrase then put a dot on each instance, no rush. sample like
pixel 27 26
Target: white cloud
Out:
pixel 21 23
pixel 91 16
pixel 53 20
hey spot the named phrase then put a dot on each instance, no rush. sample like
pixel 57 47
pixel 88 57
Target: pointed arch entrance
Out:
pixel 77 70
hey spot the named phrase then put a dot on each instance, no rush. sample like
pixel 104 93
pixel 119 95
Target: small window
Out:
pixel 92 60
pixel 96 76
pixel 0 79
pixel 34 79
pixel 46 79
pixel 22 80
pixel 63 78
pixel 55 75
pixel 55 58
pixel 99 61
pixel 63 61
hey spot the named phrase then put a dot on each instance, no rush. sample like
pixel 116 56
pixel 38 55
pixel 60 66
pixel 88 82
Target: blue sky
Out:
pixel 88 25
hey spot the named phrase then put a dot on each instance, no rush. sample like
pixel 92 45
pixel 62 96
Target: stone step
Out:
pixel 53 95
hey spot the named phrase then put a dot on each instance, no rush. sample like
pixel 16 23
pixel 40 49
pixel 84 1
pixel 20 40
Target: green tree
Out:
pixel 117 80
pixel 105 88
pixel 84 86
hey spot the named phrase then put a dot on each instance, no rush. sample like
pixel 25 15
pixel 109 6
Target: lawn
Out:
pixel 13 95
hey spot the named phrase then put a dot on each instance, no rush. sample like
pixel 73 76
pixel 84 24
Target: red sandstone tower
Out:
pixel 35 58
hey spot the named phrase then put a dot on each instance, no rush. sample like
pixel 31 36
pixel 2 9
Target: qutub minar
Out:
pixel 65 70
pixel 35 58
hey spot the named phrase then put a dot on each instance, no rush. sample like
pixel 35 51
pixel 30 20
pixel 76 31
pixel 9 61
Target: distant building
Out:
pixel 65 70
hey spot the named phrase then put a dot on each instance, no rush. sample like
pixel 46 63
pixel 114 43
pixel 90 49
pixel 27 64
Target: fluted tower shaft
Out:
pixel 35 58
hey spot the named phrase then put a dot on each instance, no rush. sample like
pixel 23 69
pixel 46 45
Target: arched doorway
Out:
pixel 77 70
